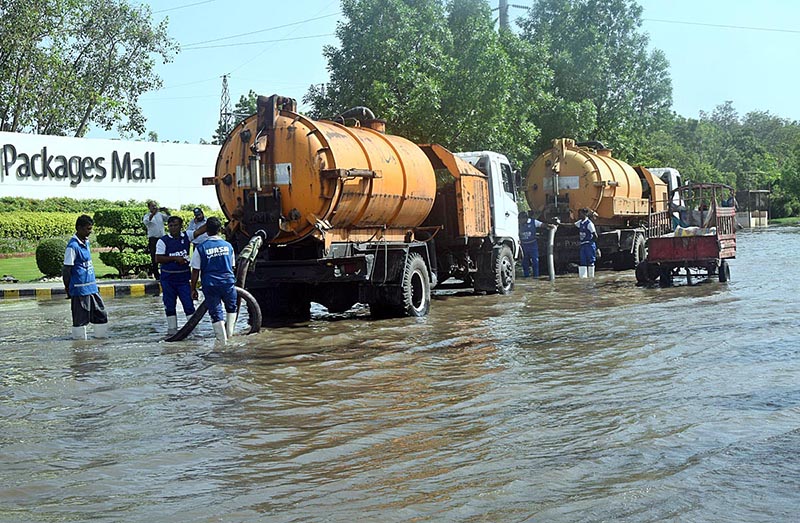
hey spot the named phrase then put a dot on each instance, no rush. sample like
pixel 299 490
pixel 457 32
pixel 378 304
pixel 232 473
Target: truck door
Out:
pixel 504 199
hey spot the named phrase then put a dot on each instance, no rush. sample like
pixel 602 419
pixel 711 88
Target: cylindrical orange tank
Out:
pixel 337 182
pixel 586 177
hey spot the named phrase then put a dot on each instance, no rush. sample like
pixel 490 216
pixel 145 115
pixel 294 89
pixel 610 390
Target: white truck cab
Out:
pixel 504 183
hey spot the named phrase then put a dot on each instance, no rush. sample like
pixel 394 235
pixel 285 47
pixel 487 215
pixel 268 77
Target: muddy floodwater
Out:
pixel 576 401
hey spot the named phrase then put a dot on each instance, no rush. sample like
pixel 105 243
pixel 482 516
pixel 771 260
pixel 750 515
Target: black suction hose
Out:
pixel 247 255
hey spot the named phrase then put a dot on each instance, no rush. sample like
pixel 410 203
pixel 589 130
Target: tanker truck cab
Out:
pixel 504 183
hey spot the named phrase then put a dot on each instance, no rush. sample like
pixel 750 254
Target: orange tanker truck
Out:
pixel 570 176
pixel 349 214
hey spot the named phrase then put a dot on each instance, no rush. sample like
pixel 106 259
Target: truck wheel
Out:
pixel 504 271
pixel 416 287
pixel 639 249
pixel 643 275
pixel 724 271
pixel 282 305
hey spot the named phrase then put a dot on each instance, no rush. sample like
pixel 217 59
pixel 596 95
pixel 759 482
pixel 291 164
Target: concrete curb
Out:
pixel 49 291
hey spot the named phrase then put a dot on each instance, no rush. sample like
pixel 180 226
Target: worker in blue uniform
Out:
pixel 530 246
pixel 212 263
pixel 172 252
pixel 80 284
pixel 587 235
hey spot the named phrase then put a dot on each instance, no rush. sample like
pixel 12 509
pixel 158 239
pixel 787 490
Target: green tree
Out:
pixel 66 65
pixel 599 56
pixel 437 72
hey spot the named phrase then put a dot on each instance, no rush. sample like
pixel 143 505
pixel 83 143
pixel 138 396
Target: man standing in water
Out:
pixel 80 284
pixel 172 252
pixel 587 234
pixel 214 259
pixel 530 245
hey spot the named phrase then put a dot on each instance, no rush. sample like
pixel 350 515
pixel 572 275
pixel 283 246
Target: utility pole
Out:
pixel 502 9
pixel 503 14
pixel 225 113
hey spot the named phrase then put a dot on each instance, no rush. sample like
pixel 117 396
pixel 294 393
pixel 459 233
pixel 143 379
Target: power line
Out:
pixel 261 30
pixel 260 42
pixel 183 6
pixel 723 26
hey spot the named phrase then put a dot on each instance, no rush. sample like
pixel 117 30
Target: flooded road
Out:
pixel 573 401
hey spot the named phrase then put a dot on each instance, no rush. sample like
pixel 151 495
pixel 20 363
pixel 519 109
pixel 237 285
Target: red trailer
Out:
pixel 693 238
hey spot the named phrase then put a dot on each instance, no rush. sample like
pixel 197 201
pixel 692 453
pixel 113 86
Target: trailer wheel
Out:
pixel 724 271
pixel 665 277
pixel 504 271
pixel 644 274
pixel 416 287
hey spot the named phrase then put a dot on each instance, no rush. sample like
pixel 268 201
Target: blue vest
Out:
pixel 176 247
pixel 216 267
pixel 81 281
pixel 527 231
pixel 584 232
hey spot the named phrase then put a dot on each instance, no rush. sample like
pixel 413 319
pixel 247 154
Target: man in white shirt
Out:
pixel 154 221
pixel 197 227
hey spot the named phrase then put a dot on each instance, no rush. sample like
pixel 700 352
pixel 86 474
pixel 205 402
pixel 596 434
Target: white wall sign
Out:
pixel 42 166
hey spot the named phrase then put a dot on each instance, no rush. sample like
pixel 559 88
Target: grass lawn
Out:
pixel 792 220
pixel 24 269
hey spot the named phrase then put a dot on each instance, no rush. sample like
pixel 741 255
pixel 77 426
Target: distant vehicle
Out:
pixel 570 176
pixel 693 239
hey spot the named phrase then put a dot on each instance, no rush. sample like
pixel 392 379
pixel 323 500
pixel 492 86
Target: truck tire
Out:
pixel 639 249
pixel 724 271
pixel 416 287
pixel 503 272
pixel 280 305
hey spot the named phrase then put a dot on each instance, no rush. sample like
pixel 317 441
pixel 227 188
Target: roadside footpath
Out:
pixel 55 289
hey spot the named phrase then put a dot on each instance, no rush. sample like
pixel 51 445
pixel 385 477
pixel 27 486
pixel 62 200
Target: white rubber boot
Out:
pixel 101 330
pixel 230 323
pixel 172 325
pixel 591 271
pixel 582 271
pixel 79 333
pixel 219 331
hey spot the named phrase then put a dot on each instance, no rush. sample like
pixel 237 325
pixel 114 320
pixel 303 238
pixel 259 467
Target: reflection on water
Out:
pixel 567 401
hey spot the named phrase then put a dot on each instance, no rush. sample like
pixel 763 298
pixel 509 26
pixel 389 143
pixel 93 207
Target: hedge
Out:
pixel 122 241
pixel 62 204
pixel 36 225
pixel 125 262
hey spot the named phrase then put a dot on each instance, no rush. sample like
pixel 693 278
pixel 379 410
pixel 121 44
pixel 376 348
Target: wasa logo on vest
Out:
pixel 44 166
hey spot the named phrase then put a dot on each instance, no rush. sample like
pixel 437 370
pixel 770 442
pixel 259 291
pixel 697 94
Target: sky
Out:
pixel 745 51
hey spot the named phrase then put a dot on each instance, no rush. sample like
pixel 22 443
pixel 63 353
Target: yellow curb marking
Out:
pixel 11 293
pixel 107 291
pixel 137 289
pixel 44 294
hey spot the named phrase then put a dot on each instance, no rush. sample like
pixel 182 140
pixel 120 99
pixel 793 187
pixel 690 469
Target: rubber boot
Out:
pixel 101 330
pixel 582 271
pixel 230 323
pixel 79 333
pixel 219 331
pixel 591 271
pixel 172 325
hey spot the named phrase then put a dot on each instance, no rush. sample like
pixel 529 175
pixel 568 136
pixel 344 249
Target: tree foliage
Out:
pixel 66 65
pixel 606 84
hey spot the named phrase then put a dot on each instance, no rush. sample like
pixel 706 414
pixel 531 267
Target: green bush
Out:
pixel 50 256
pixel 36 225
pixel 125 262
pixel 123 241
pixel 122 220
